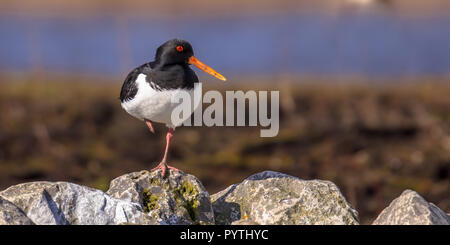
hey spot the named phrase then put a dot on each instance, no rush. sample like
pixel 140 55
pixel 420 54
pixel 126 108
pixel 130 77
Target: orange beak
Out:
pixel 205 68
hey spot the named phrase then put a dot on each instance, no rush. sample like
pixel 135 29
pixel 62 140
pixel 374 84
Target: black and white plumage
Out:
pixel 144 99
pixel 148 90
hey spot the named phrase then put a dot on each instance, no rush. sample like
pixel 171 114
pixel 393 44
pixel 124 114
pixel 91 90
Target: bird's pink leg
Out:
pixel 149 125
pixel 163 164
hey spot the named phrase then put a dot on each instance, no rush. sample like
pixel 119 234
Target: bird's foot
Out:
pixel 164 167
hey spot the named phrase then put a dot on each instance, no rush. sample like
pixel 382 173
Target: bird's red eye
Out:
pixel 179 48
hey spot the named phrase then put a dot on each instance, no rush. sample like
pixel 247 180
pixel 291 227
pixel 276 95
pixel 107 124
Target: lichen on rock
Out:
pixel 63 203
pixel 10 214
pixel 411 209
pixel 179 198
pixel 275 198
pixel 149 200
pixel 188 193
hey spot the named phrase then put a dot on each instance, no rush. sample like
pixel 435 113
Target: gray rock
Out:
pixel 64 203
pixel 179 198
pixel 10 214
pixel 275 198
pixel 411 209
pixel 244 222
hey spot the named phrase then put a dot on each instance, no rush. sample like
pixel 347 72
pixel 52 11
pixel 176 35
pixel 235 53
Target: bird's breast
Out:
pixel 154 103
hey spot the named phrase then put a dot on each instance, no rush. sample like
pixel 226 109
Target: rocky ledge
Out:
pixel 146 198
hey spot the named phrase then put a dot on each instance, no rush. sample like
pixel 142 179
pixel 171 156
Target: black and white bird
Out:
pixel 148 90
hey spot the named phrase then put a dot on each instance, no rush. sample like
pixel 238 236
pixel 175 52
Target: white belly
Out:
pixel 155 105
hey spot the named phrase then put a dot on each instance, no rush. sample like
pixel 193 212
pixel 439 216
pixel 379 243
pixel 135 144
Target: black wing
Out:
pixel 129 87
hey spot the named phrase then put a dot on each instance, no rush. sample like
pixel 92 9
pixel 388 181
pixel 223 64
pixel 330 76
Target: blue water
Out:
pixel 373 45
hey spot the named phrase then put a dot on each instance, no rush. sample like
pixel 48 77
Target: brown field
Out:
pixel 372 141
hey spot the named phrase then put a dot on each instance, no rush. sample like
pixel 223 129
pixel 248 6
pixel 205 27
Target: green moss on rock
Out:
pixel 189 193
pixel 178 198
pixel 149 200
pixel 191 207
pixel 187 189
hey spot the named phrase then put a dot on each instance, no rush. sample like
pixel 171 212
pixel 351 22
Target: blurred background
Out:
pixel 364 92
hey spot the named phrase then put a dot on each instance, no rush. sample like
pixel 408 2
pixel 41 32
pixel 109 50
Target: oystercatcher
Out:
pixel 147 90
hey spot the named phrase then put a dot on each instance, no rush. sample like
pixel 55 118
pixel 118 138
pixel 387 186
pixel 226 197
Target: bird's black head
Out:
pixel 179 52
pixel 175 51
